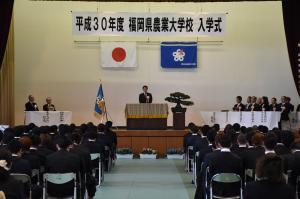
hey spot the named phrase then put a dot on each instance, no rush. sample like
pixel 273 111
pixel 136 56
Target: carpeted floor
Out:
pixel 143 179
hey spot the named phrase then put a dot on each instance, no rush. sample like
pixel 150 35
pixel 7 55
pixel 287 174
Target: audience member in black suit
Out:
pixel 265 104
pixel 62 161
pixel 40 149
pixel 285 109
pixel 85 165
pixel 285 140
pixel 32 158
pixel 19 165
pixel 187 139
pixel 31 105
pixel 295 166
pixel 49 106
pixel 13 189
pixel 200 142
pixel 255 152
pixel 215 161
pixel 271 183
pixel 274 106
pixel 238 106
pixel 249 104
pixel 145 97
pixel 111 133
pixel 270 142
pixel 242 148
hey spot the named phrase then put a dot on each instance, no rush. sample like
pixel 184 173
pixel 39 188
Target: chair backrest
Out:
pixel 24 178
pixel 224 185
pixel 59 178
pixel 94 156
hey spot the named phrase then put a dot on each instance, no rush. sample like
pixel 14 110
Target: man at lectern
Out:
pixel 49 106
pixel 31 105
pixel 145 97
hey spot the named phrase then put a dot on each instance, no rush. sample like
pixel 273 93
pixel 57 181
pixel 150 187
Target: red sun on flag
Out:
pixel 118 54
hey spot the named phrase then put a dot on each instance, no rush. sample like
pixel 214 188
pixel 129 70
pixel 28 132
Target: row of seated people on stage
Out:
pixel 273 157
pixel 262 104
pixel 62 149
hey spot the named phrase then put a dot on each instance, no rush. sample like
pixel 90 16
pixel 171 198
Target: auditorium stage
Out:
pixel 159 140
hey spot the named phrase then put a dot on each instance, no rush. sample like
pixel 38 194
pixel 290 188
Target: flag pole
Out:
pixel 104 102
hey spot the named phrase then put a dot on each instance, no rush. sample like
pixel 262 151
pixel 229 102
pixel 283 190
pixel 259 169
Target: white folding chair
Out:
pixel 59 179
pixel 25 179
pixel 189 163
pixel 95 156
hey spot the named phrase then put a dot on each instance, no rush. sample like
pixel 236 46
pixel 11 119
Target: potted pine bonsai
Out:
pixel 178 111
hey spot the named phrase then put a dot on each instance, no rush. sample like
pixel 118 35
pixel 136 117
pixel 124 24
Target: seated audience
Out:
pixel 62 161
pixel 19 165
pixel 12 188
pixel 270 142
pixel 271 182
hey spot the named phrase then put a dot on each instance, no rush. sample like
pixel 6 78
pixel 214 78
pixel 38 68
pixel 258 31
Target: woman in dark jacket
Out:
pixel 271 182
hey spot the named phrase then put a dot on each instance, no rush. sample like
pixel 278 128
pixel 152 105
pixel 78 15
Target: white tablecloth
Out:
pixel 248 119
pixel 48 118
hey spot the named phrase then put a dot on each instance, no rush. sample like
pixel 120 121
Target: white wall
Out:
pixel 252 61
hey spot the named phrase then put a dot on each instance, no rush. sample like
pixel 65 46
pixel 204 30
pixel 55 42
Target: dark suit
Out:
pixel 252 155
pixel 280 149
pixel 218 162
pixel 274 107
pixel 33 159
pixel 264 189
pixel 62 162
pixel 94 147
pixel 13 189
pixel 295 167
pixel 241 152
pixel 20 165
pixel 254 107
pixel 248 107
pixel 285 110
pixel 31 106
pixel 239 107
pixel 264 107
pixel 49 107
pixel 143 98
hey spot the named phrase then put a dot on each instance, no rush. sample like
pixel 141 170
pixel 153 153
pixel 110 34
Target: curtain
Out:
pixel 7 81
pixel 291 17
pixel 6 7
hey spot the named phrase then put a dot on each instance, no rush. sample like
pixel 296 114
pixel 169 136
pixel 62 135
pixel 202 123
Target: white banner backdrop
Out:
pixel 48 118
pixel 148 24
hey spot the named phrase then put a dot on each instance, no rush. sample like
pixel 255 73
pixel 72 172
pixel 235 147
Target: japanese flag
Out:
pixel 118 54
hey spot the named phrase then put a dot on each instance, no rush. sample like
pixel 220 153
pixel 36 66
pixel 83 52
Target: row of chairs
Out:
pixel 62 178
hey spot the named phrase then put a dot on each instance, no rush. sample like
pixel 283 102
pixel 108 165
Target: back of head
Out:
pixel 270 168
pixel 76 138
pixel 101 127
pixel 241 139
pixel 63 142
pixel 14 146
pixel 109 124
pixel 236 127
pixel 270 141
pixel 36 140
pixel 5 164
pixel 205 130
pixel 211 135
pixel 257 139
pixel 216 127
pixel 224 140
pixel 25 143
pixel 287 138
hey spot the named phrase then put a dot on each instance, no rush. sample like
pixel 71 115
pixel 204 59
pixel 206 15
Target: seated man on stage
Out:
pixel 49 106
pixel 31 105
pixel 145 97
pixel 238 106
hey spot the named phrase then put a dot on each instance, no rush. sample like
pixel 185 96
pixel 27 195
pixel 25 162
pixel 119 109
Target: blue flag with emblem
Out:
pixel 100 103
pixel 178 54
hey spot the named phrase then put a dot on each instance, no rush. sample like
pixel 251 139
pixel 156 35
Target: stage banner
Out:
pixel 148 24
pixel 291 16
pixel 178 54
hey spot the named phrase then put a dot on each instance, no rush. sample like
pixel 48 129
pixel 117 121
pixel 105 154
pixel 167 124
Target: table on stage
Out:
pixel 48 118
pixel 248 119
pixel 146 116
